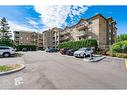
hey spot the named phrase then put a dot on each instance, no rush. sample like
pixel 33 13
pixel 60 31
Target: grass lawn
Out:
pixel 5 68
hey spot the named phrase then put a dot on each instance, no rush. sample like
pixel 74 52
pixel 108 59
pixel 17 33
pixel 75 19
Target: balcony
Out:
pixel 65 38
pixel 17 37
pixel 64 33
pixel 81 33
pixel 82 27
pixel 115 28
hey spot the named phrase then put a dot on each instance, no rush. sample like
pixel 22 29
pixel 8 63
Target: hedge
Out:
pixel 117 47
pixel 120 55
pixel 28 47
pixel 79 44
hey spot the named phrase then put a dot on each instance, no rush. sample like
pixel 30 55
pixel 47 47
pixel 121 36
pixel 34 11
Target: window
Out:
pixel 82 23
pixel 4 48
pixel 105 30
pixel 88 49
pixel 89 37
pixel 110 24
pixel 20 37
pixel 16 37
pixel 110 30
pixel 109 38
pixel 89 21
pixel 16 32
pixel 114 33
pixel 90 29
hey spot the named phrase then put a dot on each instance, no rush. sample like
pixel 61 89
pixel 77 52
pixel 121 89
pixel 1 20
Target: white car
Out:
pixel 83 52
pixel 6 51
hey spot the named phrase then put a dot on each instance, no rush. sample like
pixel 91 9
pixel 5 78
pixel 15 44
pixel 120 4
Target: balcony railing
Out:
pixel 64 33
pixel 82 27
pixel 65 38
pixel 81 33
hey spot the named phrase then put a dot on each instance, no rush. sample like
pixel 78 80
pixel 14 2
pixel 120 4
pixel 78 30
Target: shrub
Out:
pixel 28 47
pixel 122 37
pixel 120 55
pixel 79 44
pixel 117 47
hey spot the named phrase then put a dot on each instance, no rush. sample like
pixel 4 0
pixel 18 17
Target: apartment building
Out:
pixel 97 27
pixel 51 38
pixel 28 38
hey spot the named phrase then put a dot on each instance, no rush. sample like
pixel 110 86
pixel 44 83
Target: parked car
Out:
pixel 6 51
pixel 51 50
pixel 70 52
pixel 64 50
pixel 24 49
pixel 83 52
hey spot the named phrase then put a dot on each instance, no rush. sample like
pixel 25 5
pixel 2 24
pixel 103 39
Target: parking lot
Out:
pixel 55 71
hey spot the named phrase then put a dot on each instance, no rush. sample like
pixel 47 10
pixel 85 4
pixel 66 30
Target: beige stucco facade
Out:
pixel 96 27
pixel 51 38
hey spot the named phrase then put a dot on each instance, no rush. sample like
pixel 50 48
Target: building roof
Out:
pixel 82 19
pixel 96 16
pixel 55 28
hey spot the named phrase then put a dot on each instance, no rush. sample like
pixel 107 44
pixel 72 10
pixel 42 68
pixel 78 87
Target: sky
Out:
pixel 40 18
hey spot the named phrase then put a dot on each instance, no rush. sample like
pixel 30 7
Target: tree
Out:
pixel 122 37
pixel 4 29
pixel 5 34
pixel 118 47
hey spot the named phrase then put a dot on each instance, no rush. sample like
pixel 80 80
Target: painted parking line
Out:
pixel 18 81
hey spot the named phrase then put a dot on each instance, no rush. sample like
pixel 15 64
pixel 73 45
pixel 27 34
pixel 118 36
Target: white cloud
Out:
pixel 56 15
pixel 18 27
pixel 14 26
pixel 32 22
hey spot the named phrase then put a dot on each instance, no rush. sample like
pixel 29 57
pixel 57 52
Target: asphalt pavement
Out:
pixel 55 71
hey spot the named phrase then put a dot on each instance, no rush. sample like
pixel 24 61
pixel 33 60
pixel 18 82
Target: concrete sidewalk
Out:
pixel 11 60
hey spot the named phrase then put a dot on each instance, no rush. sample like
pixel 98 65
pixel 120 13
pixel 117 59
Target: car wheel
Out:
pixel 84 55
pixel 7 54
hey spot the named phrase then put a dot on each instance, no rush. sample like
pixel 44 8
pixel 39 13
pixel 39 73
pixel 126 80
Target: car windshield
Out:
pixel 4 47
pixel 82 49
pixel 52 49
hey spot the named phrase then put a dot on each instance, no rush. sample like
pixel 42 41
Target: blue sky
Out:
pixel 43 17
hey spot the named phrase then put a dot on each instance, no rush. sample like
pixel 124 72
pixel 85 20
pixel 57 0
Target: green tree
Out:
pixel 4 29
pixel 5 38
pixel 122 37
pixel 117 47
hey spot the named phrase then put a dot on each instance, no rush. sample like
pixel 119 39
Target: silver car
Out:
pixel 83 52
pixel 6 51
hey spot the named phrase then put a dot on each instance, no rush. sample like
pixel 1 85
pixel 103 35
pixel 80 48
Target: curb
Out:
pixel 94 60
pixel 12 71
pixel 110 57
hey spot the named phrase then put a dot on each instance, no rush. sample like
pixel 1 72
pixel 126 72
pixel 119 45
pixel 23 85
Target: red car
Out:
pixel 64 50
